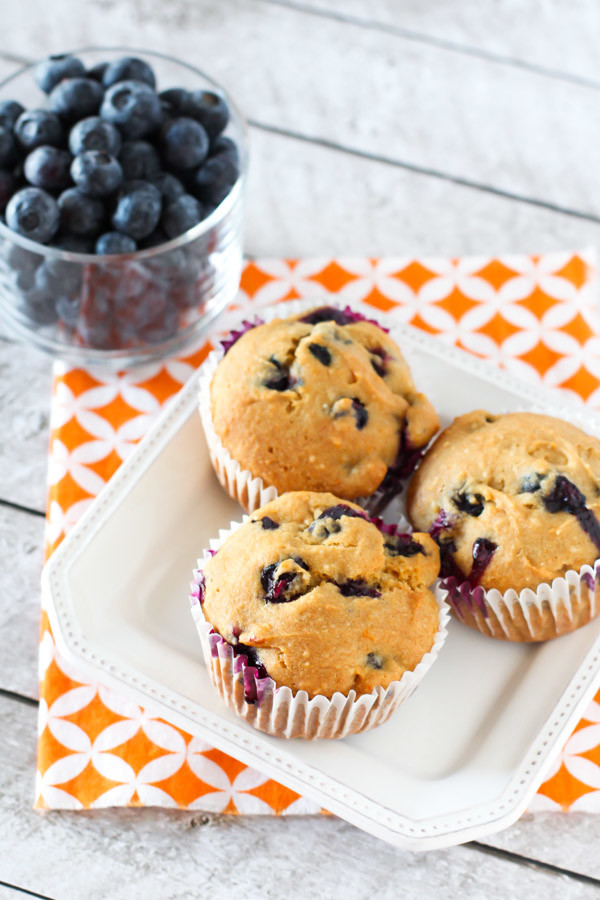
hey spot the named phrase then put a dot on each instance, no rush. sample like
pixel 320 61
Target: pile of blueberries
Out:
pixel 111 166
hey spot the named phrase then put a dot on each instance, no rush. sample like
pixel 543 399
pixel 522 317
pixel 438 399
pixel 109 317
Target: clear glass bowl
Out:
pixel 121 310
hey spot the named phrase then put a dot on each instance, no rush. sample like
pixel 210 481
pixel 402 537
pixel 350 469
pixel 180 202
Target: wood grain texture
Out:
pixel 558 38
pixel 144 853
pixel 453 114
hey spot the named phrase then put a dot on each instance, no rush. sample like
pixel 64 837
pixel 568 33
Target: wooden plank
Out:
pixel 21 547
pixel 146 853
pixel 449 113
pixel 558 38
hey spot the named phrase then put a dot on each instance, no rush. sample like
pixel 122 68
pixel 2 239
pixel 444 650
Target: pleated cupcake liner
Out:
pixel 277 710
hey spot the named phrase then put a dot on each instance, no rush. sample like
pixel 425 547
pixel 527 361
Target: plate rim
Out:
pixel 396 828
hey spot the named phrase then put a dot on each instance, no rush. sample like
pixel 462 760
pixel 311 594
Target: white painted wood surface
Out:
pixel 486 93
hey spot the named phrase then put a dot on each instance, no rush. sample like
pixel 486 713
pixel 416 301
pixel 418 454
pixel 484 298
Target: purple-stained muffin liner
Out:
pixel 252 492
pixel 498 614
pixel 277 710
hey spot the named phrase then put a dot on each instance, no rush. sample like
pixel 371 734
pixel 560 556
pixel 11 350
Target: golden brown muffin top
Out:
pixel 312 403
pixel 513 500
pixel 323 598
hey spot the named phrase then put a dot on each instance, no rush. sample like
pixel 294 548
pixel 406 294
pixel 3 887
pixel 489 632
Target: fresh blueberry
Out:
pixel 185 143
pixel 471 504
pixel 21 260
pixel 8 185
pixel 209 109
pixel 129 68
pixel 8 147
pixel 214 179
pixel 96 173
pixel 48 167
pixel 169 186
pixel 154 239
pixel 97 71
pixel 10 111
pixel 76 98
pixel 182 214
pixel 73 243
pixel 224 146
pixel 321 353
pixel 94 133
pixel 133 106
pixel 174 100
pixel 375 660
pixel 39 307
pixel 35 127
pixel 139 159
pixel 402 545
pixel 138 209
pixel 53 70
pixel 115 242
pixel 79 213
pixel 57 277
pixel 68 310
pixel 33 213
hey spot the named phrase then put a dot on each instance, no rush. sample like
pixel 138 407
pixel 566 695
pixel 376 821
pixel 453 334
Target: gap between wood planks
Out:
pixel 420 37
pixel 425 171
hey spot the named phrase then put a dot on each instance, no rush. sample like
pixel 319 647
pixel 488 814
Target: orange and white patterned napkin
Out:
pixel 533 315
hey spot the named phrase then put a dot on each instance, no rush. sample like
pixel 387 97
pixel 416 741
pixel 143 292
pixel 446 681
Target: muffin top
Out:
pixel 313 591
pixel 512 500
pixel 321 401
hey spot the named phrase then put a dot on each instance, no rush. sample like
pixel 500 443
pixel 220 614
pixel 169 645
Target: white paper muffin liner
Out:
pixel 569 602
pixel 277 710
pixel 250 491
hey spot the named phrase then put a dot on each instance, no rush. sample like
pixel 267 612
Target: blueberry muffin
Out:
pixel 322 401
pixel 319 599
pixel 513 501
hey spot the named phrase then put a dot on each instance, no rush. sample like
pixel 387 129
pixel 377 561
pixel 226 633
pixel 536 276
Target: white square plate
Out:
pixel 460 759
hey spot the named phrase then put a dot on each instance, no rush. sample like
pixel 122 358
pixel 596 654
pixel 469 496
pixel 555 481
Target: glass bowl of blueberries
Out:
pixel 121 205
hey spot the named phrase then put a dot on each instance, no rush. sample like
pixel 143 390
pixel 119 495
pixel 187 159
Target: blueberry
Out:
pixel 214 179
pixel 138 209
pixel 182 214
pixel 375 660
pixel 97 71
pixel 53 70
pixel 129 68
pixel 276 587
pixel 48 167
pixel 357 587
pixel 57 277
pixel 8 185
pixel 73 243
pixel 21 260
pixel 133 106
pixel 33 213
pixel 209 109
pixel 115 242
pixel 361 415
pixel 10 111
pixel 566 497
pixel 68 310
pixel 471 504
pixel 139 159
pixel 76 98
pixel 268 523
pixel 8 147
pixel 336 512
pixel 280 379
pixel 94 133
pixel 169 186
pixel 185 143
pixel 96 173
pixel 39 307
pixel 154 239
pixel 35 127
pixel 483 550
pixel 402 545
pixel 531 483
pixel 225 146
pixel 321 353
pixel 327 314
pixel 79 213
pixel 173 100
pixel 380 360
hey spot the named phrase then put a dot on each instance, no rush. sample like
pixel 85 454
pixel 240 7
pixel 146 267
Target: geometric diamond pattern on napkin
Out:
pixel 532 315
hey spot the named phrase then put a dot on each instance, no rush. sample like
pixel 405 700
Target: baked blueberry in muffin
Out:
pixel 320 401
pixel 317 597
pixel 513 501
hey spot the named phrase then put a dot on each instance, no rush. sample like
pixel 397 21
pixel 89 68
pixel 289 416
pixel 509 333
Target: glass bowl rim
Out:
pixel 181 240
